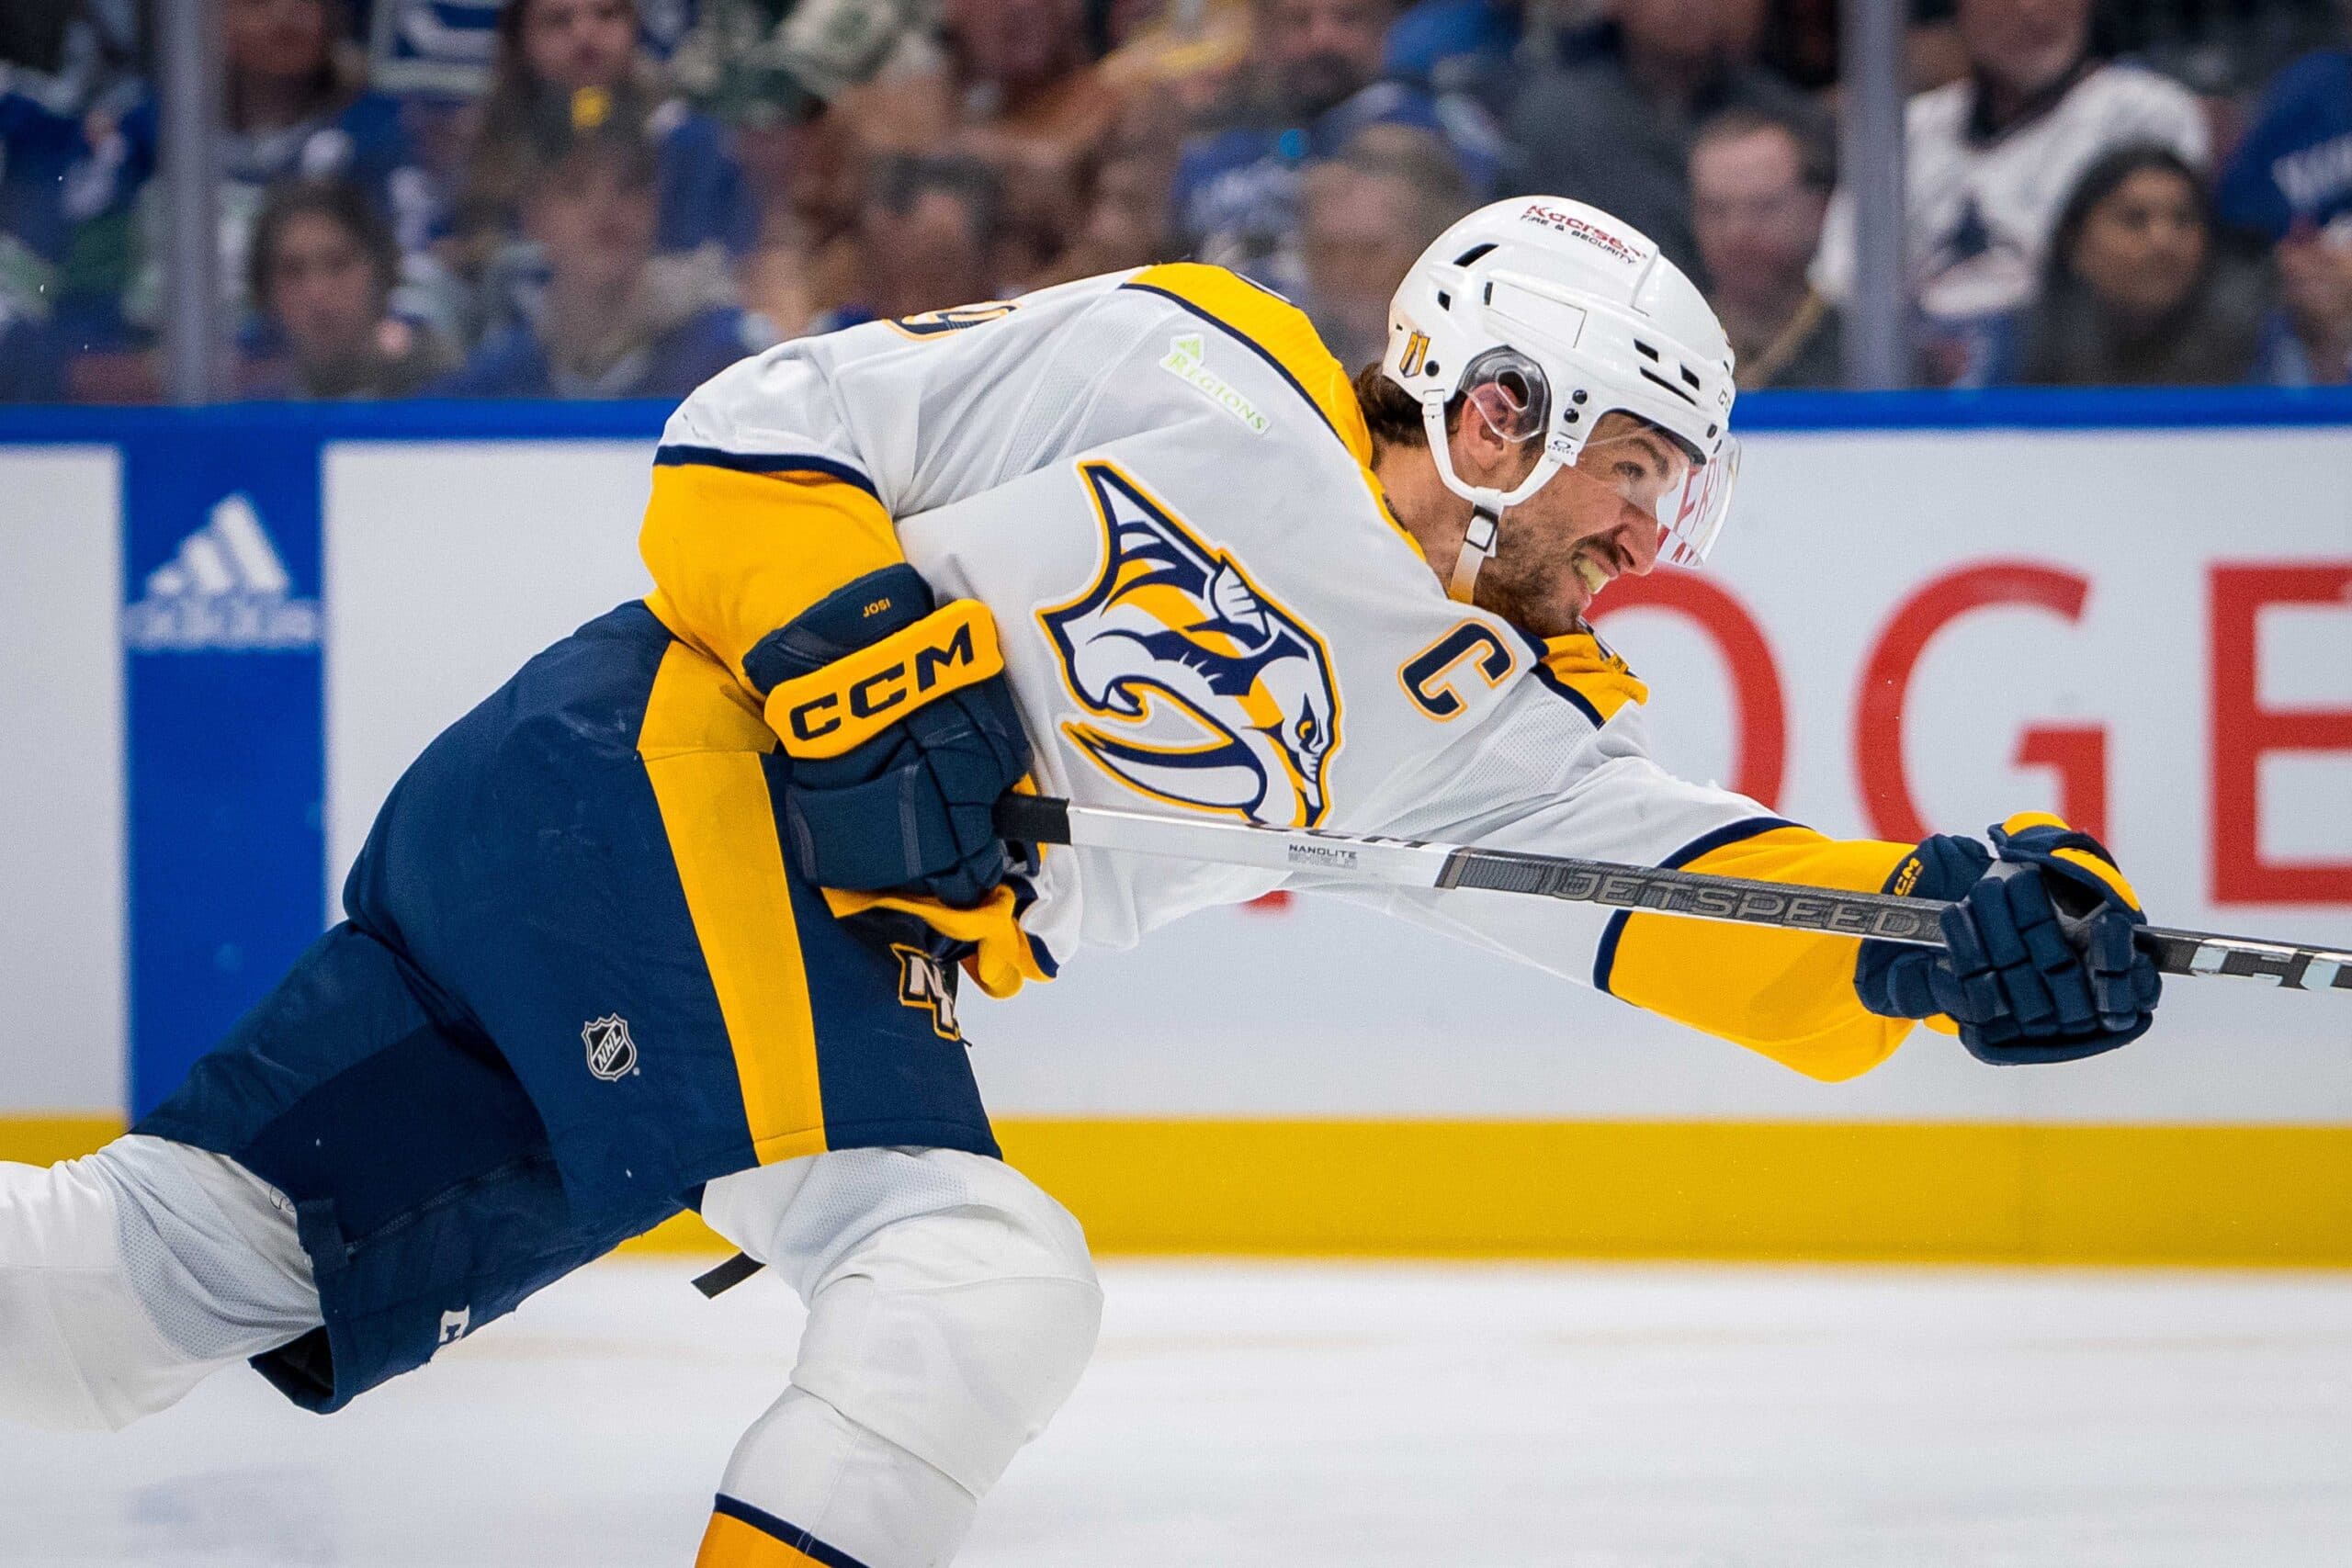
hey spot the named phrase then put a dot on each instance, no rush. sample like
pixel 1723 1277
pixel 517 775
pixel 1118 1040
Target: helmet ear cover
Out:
pixel 1510 392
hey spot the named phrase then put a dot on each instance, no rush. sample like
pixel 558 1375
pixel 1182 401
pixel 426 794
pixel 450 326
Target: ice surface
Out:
pixel 1328 1414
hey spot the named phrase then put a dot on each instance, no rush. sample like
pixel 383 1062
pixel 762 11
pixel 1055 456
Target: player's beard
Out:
pixel 1533 583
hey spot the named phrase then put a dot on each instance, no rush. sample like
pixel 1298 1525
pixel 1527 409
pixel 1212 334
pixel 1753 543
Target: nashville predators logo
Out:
pixel 1208 694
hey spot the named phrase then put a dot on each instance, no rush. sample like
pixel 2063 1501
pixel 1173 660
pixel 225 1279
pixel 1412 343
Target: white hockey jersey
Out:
pixel 1159 485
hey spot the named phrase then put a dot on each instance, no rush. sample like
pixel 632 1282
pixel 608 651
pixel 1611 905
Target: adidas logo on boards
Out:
pixel 226 589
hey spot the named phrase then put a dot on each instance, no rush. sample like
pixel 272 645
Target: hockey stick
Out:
pixel 1410 863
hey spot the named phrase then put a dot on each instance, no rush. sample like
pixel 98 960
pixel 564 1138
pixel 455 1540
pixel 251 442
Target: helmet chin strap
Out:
pixel 1484 536
pixel 1478 546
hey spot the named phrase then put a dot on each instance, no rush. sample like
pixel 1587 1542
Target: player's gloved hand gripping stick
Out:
pixel 2038 963
pixel 1410 863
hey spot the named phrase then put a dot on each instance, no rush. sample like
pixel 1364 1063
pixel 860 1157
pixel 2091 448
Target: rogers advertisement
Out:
pixel 1908 627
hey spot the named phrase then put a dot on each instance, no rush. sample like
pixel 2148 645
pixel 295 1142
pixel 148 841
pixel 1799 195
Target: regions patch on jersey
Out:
pixel 1209 693
pixel 1187 360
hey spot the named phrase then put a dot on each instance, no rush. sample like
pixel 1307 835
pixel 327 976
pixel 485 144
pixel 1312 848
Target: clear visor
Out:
pixel 1657 474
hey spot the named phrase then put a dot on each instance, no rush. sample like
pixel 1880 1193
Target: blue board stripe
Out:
pixel 2006 408
pixel 2047 408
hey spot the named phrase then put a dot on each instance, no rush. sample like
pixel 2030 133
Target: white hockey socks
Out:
pixel 128 1276
pixel 952 1308
pixel 809 1479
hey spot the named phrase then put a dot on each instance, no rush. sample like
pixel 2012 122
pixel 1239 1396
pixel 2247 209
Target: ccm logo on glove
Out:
pixel 835 709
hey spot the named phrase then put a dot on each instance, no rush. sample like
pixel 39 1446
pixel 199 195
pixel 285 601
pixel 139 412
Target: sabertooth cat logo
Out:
pixel 612 1054
pixel 1200 688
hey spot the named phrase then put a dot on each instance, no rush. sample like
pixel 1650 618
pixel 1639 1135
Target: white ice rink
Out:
pixel 1319 1414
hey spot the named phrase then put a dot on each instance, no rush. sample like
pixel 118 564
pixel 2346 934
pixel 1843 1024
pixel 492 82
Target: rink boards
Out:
pixel 228 631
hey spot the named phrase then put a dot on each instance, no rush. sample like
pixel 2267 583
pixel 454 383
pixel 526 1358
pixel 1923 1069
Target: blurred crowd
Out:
pixel 616 198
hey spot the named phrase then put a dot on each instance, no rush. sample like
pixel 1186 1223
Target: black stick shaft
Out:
pixel 1038 819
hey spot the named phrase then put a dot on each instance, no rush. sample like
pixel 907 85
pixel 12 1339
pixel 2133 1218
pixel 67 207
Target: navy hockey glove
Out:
pixel 2039 962
pixel 902 735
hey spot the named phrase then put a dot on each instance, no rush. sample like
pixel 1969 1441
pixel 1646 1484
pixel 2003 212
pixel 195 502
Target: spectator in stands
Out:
pixel 54 80
pixel 1453 45
pixel 1236 197
pixel 2135 290
pixel 297 104
pixel 1759 187
pixel 576 62
pixel 1175 57
pixel 1019 90
pixel 324 266
pixel 2293 171
pixel 774 72
pixel 2309 341
pixel 608 323
pixel 926 238
pixel 1614 129
pixel 1369 213
pixel 295 101
pixel 809 174
pixel 2290 182
pixel 1127 220
pixel 1800 41
pixel 1990 158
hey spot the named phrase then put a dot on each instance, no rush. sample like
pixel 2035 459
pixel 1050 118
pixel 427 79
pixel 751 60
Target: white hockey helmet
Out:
pixel 1567 314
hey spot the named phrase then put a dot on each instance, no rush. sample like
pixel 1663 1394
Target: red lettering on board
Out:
pixel 2244 732
pixel 2079 752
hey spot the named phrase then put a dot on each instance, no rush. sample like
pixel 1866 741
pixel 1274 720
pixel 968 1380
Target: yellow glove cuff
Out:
pixel 2101 869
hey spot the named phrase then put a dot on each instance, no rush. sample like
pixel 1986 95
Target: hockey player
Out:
pixel 675 918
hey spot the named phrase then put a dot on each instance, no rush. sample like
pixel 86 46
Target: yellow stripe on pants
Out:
pixel 702 741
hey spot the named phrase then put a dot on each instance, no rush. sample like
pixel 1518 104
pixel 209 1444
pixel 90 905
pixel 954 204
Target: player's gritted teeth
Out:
pixel 1594 575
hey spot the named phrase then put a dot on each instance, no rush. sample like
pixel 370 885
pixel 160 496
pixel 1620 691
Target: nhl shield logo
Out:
pixel 612 1054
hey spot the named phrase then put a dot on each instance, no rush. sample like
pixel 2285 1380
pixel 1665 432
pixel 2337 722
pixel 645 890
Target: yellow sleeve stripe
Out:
pixel 850 701
pixel 1278 332
pixel 736 554
pixel 701 749
pixel 1786 994
pixel 1579 662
